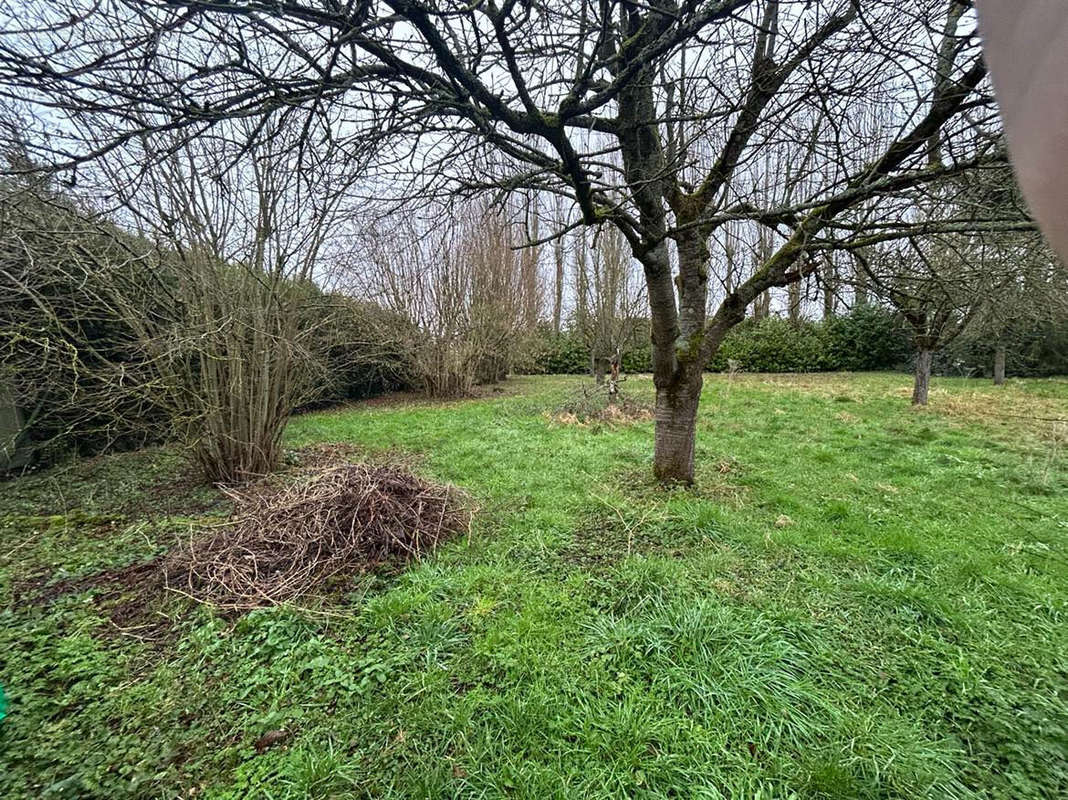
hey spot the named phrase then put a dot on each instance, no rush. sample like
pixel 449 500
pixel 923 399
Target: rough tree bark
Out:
pixel 999 364
pixel 923 376
pixel 676 429
pixel 678 366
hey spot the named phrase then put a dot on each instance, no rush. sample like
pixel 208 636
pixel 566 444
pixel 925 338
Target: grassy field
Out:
pixel 860 600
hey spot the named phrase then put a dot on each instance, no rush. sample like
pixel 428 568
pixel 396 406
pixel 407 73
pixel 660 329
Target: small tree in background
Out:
pixel 610 299
pixel 460 279
pixel 935 292
pixel 1029 286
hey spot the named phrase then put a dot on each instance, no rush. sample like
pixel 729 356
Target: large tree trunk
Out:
pixel 677 307
pixel 676 430
pixel 999 364
pixel 678 388
pixel 923 377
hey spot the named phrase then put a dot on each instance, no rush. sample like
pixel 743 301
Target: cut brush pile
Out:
pixel 284 543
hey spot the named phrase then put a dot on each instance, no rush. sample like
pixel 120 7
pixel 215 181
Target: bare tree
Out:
pixel 1032 292
pixel 644 115
pixel 461 279
pixel 936 286
pixel 530 284
pixel 611 299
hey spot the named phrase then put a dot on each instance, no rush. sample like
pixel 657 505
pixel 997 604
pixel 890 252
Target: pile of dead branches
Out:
pixel 283 543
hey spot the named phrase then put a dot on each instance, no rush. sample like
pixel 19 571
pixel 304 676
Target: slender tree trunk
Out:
pixel 794 307
pixel 860 285
pixel 558 285
pixel 830 287
pixel 762 306
pixel 923 377
pixel 999 364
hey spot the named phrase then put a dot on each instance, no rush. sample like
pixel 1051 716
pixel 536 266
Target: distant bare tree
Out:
pixel 936 286
pixel 930 259
pixel 531 288
pixel 463 282
pixel 611 299
pixel 559 222
pixel 1031 291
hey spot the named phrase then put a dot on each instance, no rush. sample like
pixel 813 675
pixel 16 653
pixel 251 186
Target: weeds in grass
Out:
pixel 592 405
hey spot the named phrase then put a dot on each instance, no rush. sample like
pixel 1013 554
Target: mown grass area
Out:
pixel 859 600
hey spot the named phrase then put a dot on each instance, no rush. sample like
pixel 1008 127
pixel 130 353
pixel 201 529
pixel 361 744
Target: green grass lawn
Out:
pixel 859 600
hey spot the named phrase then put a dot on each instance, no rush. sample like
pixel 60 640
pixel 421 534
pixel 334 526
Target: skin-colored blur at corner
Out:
pixel 1026 46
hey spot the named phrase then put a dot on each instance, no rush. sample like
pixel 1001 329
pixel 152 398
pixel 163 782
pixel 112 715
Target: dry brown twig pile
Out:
pixel 284 543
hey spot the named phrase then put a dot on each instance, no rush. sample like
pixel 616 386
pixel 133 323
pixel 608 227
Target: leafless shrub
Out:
pixel 207 280
pixel 459 278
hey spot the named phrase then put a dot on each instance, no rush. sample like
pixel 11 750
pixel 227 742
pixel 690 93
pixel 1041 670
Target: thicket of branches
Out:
pixel 467 288
pixel 198 318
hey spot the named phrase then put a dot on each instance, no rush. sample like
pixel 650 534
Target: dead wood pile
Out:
pixel 283 543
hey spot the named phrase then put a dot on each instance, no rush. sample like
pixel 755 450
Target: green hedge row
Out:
pixel 868 338
pixel 1033 350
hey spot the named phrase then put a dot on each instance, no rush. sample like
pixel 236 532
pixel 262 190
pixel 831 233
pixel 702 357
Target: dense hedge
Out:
pixel 362 350
pixel 354 350
pixel 1035 349
pixel 544 352
pixel 868 338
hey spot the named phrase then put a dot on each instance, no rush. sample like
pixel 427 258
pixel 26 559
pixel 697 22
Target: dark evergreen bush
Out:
pixel 868 338
pixel 1032 349
pixel 775 345
pixel 361 349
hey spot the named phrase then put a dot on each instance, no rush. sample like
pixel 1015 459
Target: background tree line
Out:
pixel 116 336
pixel 685 165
